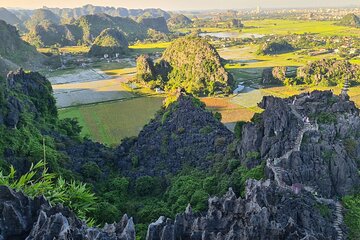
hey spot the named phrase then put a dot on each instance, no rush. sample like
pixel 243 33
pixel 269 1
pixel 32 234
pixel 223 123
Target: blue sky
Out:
pixel 180 4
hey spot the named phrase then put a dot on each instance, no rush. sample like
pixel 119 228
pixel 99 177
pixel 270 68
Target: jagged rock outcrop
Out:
pixel 274 75
pixel 145 70
pixel 183 133
pixel 266 212
pixel 325 159
pixel 24 218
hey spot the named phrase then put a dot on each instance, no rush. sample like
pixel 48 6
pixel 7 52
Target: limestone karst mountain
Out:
pixel 14 52
pixel 111 42
pixel 308 145
pixel 190 63
pixel 350 20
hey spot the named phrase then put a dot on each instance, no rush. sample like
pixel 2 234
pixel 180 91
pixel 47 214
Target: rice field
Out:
pixel 283 27
pixel 111 122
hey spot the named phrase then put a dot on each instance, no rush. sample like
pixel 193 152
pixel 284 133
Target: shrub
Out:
pixel 70 126
pixel 199 200
pixel 352 216
pixel 233 164
pixel 220 141
pixel 326 118
pixel 218 116
pixel 210 184
pixel 106 213
pixel 206 130
pixel 91 170
pixel 145 185
pixel 252 155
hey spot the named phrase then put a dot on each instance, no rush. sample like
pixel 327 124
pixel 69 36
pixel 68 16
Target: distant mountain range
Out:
pixel 16 16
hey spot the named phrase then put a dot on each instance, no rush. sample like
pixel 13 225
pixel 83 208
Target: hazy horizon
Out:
pixel 180 5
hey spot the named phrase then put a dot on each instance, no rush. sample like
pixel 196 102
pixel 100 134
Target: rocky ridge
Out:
pixel 183 133
pixel 31 219
pixel 290 135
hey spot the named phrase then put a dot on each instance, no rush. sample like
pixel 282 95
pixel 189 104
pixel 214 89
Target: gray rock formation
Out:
pixel 325 159
pixel 182 134
pixel 266 212
pixel 33 219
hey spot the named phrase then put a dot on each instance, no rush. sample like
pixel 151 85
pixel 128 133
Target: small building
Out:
pixel 239 89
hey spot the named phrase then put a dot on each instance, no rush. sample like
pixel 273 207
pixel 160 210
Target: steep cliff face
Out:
pixel 15 52
pixel 25 93
pixel 310 145
pixel 24 218
pixel 313 137
pixel 182 134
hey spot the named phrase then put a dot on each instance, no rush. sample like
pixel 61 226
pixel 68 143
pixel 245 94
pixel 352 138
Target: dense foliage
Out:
pixel 196 67
pixel 39 182
pixel 190 63
pixel 328 72
pixel 352 216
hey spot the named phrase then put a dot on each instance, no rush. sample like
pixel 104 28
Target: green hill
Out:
pixel 190 63
pixel 350 20
pixel 111 42
pixel 179 20
pixel 14 52
pixel 158 24
pixel 42 16
pixel 93 25
pixel 83 31
pixel 49 34
pixel 275 47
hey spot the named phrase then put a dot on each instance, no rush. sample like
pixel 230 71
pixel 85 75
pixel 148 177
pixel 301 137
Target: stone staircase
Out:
pixel 279 172
pixel 339 220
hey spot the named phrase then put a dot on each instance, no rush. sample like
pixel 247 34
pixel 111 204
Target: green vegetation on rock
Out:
pixel 110 42
pixel 328 72
pixel 275 47
pixel 190 63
